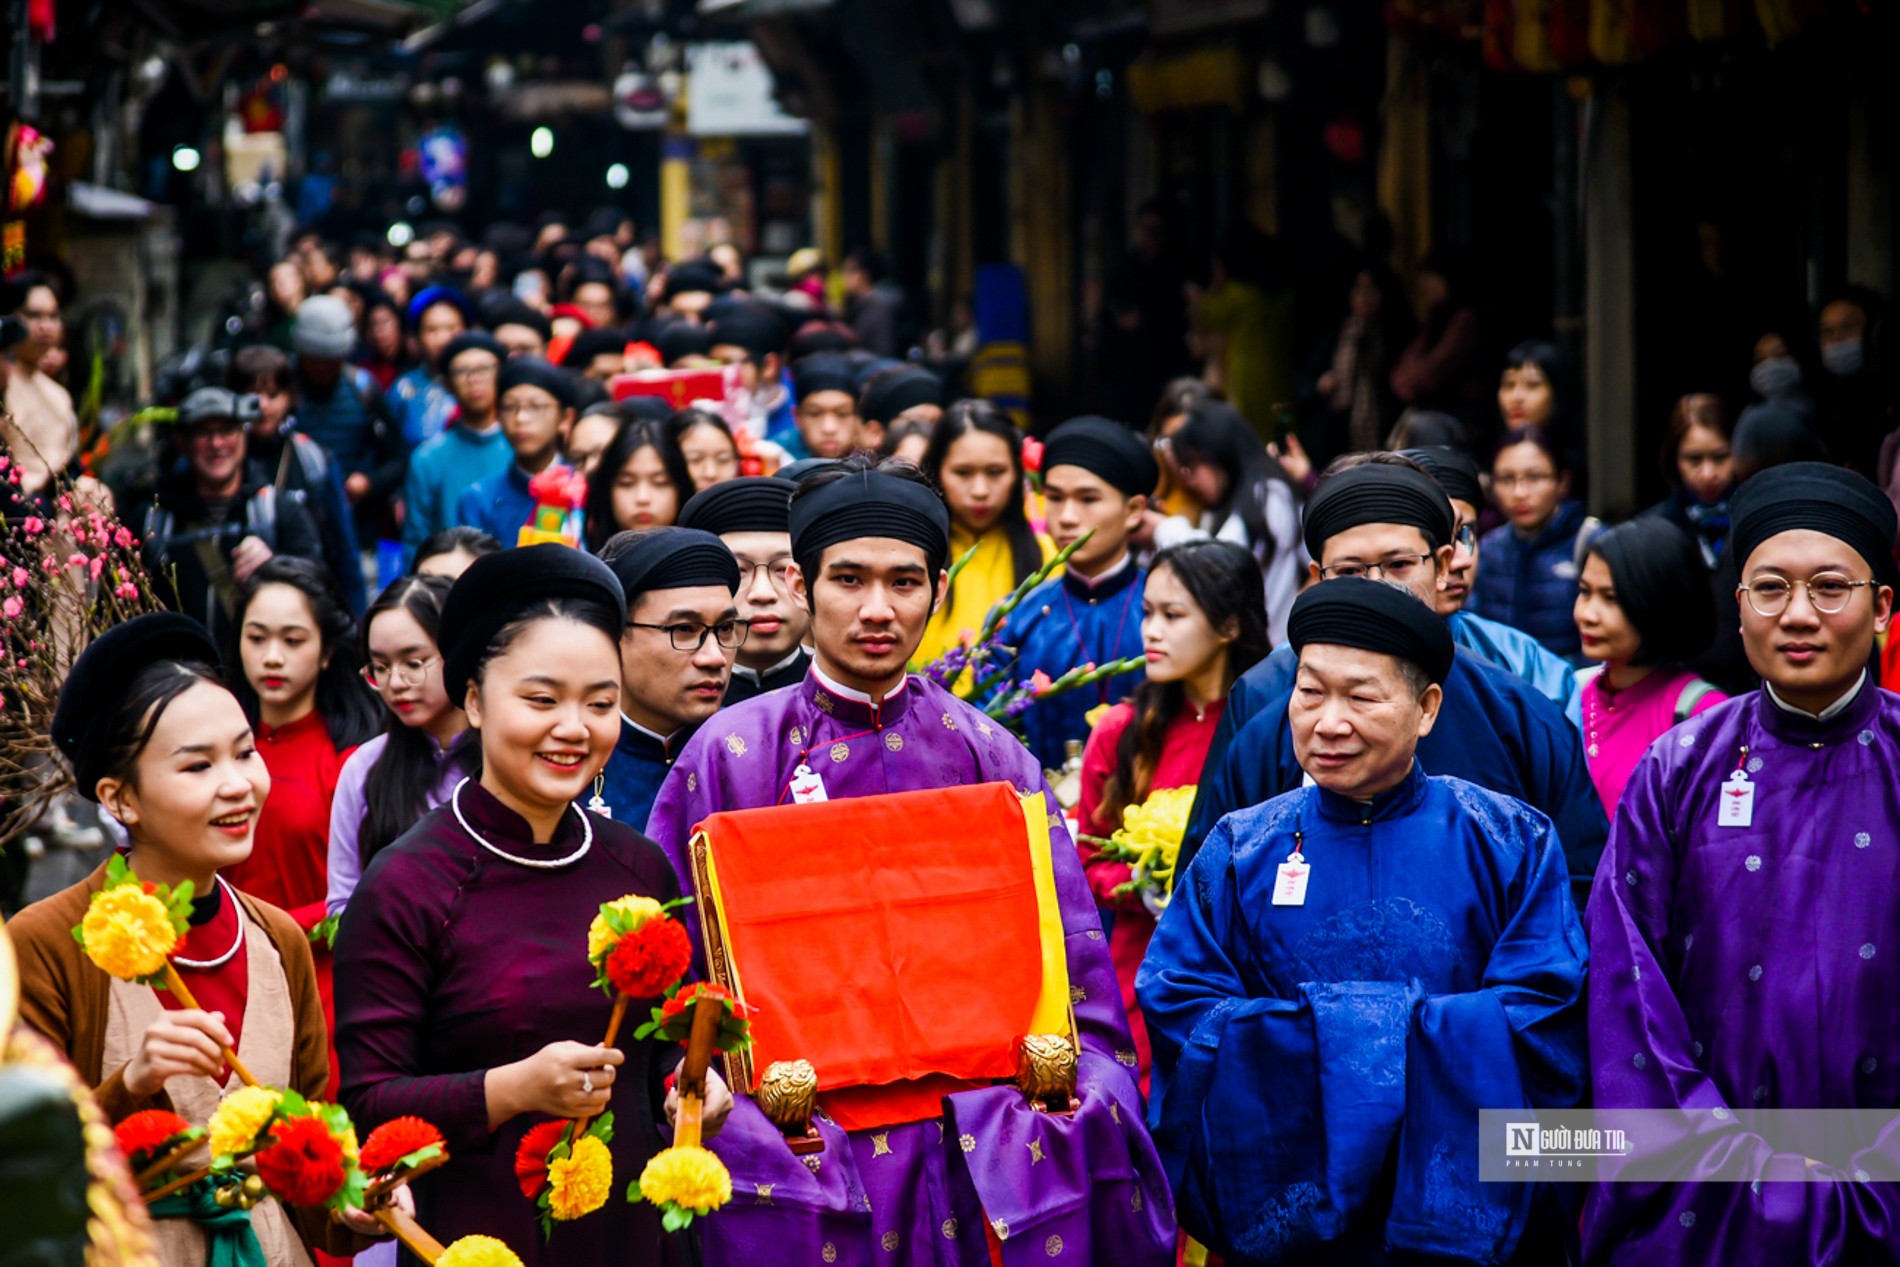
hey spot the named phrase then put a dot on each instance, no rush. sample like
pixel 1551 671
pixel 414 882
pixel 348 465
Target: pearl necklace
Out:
pixel 540 864
pixel 224 958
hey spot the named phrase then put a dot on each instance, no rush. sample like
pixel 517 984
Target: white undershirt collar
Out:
pixel 655 736
pixel 1104 577
pixel 1836 707
pixel 759 675
pixel 856 697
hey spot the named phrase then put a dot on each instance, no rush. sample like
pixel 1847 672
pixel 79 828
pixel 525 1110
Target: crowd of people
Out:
pixel 1482 803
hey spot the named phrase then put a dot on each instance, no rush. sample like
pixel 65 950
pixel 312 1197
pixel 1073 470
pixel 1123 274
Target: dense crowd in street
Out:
pixel 1368 782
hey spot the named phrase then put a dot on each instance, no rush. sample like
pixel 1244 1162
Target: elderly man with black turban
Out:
pixel 1746 919
pixel 1390 520
pixel 871 543
pixel 1348 973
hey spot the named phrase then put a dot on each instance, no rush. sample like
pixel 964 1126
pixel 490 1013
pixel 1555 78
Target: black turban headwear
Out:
pixel 757 330
pixel 1355 611
pixel 889 393
pixel 83 718
pixel 677 340
pixel 499 587
pixel 532 371
pixel 1104 448
pixel 1456 472
pixel 472 341
pixel 1823 498
pixel 870 504
pixel 672 559
pixel 752 503
pixel 822 372
pixel 1377 494
pixel 693 276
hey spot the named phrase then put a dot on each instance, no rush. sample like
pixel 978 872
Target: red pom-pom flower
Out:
pixel 145 1134
pixel 304 1164
pixel 395 1140
pixel 531 1156
pixel 646 961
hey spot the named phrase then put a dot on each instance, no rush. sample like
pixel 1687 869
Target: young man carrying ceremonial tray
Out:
pixel 950 1166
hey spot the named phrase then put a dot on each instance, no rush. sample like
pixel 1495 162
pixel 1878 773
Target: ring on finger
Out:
pixel 587 1082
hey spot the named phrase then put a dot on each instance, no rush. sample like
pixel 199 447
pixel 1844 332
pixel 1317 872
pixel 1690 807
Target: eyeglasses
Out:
pixel 1397 567
pixel 384 676
pixel 462 373
pixel 1829 593
pixel 691 636
pixel 779 570
pixel 1466 536
pixel 528 409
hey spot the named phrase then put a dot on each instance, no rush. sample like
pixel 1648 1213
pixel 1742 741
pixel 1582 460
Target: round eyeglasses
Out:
pixel 1828 592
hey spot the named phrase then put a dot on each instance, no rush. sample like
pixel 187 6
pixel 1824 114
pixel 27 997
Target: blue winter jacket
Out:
pixel 1532 585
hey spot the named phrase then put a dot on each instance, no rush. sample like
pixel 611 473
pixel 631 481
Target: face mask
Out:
pixel 1842 358
pixel 1776 376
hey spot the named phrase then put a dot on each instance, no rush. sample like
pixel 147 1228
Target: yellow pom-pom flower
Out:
pixel 580 1182
pixel 637 910
pixel 478 1251
pixel 1149 839
pixel 235 1123
pixel 693 1179
pixel 128 932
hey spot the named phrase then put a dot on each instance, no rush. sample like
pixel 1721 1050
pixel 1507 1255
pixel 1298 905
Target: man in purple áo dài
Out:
pixel 871 546
pixel 1350 972
pixel 1746 918
pixel 675 657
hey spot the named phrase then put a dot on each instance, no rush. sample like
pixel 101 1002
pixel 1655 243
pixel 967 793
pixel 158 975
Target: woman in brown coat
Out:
pixel 156 739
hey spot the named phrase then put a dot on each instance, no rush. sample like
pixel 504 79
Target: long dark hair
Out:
pixel 684 423
pixel 396 790
pixel 1216 434
pixel 959 420
pixel 1224 582
pixel 470 541
pixel 634 434
pixel 1548 359
pixel 349 710
pixel 1662 586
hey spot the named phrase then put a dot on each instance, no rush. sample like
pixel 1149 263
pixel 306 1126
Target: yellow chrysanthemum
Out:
pixel 1149 839
pixel 128 932
pixel 478 1251
pixel 601 939
pixel 579 1183
pixel 347 1142
pixel 691 1178
pixel 235 1123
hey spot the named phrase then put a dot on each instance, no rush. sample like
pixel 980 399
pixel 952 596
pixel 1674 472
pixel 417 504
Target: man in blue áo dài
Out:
pixel 1096 475
pixel 675 657
pixel 1348 973
pixel 1745 919
pixel 1388 518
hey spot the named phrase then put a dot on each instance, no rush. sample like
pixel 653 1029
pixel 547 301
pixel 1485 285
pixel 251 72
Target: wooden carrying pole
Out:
pixel 707 1014
pixel 182 992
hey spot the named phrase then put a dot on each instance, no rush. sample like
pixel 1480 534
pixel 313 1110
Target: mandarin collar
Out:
pixel 854 707
pixel 1792 726
pixel 502 826
pixel 310 723
pixel 1394 802
pixel 1107 585
pixel 759 675
pixel 637 740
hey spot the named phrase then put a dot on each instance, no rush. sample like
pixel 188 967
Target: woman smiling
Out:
pixel 462 956
pixel 159 742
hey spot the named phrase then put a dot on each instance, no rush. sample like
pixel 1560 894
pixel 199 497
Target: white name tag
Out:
pixel 1738 802
pixel 807 787
pixel 1289 886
